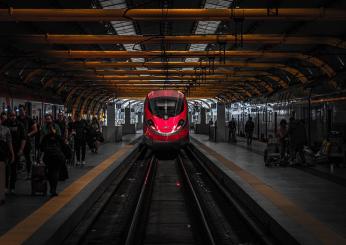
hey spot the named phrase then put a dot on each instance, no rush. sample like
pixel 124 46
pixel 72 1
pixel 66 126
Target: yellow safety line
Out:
pixel 26 228
pixel 320 230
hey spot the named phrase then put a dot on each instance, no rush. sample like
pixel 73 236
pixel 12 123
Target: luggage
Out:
pixel 67 151
pixel 38 180
pixel 63 173
pixel 99 137
pixel 91 144
pixel 272 155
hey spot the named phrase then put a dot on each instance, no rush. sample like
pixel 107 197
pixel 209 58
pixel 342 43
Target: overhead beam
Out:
pixel 186 39
pixel 150 77
pixel 169 72
pixel 91 66
pixel 171 64
pixel 201 74
pixel 96 15
pixel 200 65
pixel 74 54
pixel 96 54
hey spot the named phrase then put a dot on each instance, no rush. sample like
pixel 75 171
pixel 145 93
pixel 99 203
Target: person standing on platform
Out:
pixel 3 117
pixel 297 139
pixel 18 143
pixel 61 122
pixel 37 138
pixel 249 128
pixel 80 131
pixel 69 126
pixel 30 128
pixel 6 154
pixel 232 129
pixel 95 131
pixel 53 157
pixel 210 123
pixel 282 134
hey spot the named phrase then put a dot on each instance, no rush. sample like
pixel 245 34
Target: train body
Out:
pixel 166 121
pixel 324 117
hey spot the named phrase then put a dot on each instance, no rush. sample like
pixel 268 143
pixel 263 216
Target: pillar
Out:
pixel 139 120
pixel 203 115
pixel 128 127
pixel 110 114
pixel 54 111
pixel 127 115
pixel 110 131
pixel 221 122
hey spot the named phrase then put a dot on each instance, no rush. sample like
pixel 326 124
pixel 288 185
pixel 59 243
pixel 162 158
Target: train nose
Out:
pixel 165 126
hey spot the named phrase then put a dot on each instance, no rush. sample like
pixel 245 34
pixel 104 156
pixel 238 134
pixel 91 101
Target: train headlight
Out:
pixel 150 123
pixel 181 124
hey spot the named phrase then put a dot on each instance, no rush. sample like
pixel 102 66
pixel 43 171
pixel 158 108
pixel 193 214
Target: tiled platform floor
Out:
pixel 322 199
pixel 22 204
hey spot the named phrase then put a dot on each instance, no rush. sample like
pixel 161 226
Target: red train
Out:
pixel 165 119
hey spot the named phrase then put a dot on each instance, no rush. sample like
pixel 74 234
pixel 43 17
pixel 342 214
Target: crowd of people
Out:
pixel 249 129
pixel 291 137
pixel 52 144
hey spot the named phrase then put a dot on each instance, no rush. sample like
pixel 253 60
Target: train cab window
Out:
pixel 165 107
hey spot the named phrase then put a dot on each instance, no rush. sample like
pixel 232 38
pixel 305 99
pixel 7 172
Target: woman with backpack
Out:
pixel 52 148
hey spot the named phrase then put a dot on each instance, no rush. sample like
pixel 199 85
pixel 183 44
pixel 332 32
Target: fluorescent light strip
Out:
pixel 207 27
pixel 123 27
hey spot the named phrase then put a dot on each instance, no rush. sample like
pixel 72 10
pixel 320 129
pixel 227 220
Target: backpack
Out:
pixel 81 130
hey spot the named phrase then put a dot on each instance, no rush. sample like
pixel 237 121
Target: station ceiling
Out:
pixel 90 51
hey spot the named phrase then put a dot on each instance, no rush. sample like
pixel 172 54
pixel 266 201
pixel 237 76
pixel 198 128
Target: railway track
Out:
pixel 168 199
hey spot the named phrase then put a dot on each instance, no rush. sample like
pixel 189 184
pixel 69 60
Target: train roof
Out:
pixel 165 93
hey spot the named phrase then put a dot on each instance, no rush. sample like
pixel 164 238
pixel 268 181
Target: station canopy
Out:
pixel 88 52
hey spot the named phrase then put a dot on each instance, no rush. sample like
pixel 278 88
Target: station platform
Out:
pixel 311 208
pixel 331 173
pixel 23 215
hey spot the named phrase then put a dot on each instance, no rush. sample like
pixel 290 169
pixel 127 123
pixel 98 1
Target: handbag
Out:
pixel 63 173
pixel 67 151
pixel 99 137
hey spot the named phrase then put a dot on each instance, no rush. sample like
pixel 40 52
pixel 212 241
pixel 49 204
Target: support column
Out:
pixel 203 116
pixel 127 116
pixel 109 131
pixel 128 127
pixel 202 127
pixel 54 111
pixel 139 120
pixel 221 122
pixel 110 114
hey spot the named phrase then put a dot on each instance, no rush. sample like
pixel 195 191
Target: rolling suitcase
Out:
pixel 38 180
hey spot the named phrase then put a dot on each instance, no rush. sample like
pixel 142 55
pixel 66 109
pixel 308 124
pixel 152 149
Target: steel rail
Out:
pixel 203 217
pixel 240 209
pixel 146 187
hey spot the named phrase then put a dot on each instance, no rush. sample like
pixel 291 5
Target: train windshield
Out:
pixel 165 107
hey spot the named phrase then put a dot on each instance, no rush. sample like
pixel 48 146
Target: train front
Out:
pixel 166 122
